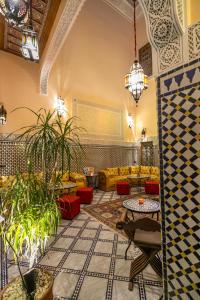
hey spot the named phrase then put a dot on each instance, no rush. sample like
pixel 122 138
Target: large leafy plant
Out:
pixel 28 207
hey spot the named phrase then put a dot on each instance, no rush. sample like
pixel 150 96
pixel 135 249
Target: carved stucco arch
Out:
pixel 165 22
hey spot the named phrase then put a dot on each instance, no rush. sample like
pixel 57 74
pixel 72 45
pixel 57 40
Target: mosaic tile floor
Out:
pixel 87 261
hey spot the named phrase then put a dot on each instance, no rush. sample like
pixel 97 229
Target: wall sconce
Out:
pixel 143 134
pixel 60 107
pixel 130 121
pixel 3 115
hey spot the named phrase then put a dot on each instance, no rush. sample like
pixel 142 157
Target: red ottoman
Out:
pixel 152 187
pixel 85 194
pixel 69 206
pixel 123 188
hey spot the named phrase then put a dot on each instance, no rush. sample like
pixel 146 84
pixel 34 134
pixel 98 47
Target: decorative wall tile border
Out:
pixel 180 77
pixel 97 155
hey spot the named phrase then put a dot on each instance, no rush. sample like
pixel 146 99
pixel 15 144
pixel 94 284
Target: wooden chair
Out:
pixel 145 233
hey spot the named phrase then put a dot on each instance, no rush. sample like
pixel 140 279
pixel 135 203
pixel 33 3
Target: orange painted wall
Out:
pixel 146 113
pixel 19 86
pixel 193 11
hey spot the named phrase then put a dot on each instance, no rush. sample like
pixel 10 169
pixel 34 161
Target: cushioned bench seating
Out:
pixel 110 176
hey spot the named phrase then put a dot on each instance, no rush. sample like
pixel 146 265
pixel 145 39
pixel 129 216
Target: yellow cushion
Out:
pixel 112 171
pixel 155 171
pixel 64 177
pixel 80 184
pixel 124 171
pixel 145 170
pixel 134 169
pixel 39 175
pixel 6 181
pixel 155 178
pixel 77 176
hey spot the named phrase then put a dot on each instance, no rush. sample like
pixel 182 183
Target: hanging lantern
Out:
pixel 30 48
pixel 136 81
pixel 3 115
pixel 15 11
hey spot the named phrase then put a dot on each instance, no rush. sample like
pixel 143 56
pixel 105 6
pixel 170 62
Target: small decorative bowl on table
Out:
pixel 141 201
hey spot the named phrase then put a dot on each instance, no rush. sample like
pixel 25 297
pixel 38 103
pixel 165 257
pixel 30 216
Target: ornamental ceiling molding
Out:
pixel 165 31
pixel 65 23
pixel 125 8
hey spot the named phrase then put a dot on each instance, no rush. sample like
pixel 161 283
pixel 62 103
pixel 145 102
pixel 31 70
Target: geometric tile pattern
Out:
pixel 179 131
pixel 87 262
pixel 98 156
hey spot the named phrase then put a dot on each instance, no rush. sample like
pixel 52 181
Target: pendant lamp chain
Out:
pixel 31 15
pixel 135 32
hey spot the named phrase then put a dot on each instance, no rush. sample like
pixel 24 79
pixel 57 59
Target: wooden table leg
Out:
pixel 156 266
pixel 129 244
pixel 137 266
pixel 141 262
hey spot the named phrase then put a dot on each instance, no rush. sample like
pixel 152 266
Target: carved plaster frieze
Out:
pixel 194 41
pixel 164 32
pixel 67 18
pixel 180 11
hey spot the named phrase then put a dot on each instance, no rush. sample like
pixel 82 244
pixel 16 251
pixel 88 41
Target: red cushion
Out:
pixel 69 206
pixel 122 183
pixel 152 182
pixel 85 194
pixel 152 187
pixel 123 188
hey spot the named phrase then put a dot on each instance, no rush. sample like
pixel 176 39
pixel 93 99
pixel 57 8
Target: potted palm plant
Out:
pixel 29 211
pixel 29 217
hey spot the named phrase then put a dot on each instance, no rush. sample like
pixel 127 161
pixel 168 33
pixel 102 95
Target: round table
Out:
pixel 150 206
pixel 139 178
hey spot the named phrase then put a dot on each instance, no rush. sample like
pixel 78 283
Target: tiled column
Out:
pixel 179 132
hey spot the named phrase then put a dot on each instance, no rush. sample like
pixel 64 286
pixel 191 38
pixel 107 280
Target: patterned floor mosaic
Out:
pixel 87 261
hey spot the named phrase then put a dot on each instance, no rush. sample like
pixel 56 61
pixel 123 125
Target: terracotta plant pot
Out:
pixel 47 294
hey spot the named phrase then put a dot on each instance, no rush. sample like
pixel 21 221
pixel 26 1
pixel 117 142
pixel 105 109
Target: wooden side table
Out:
pixel 92 180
